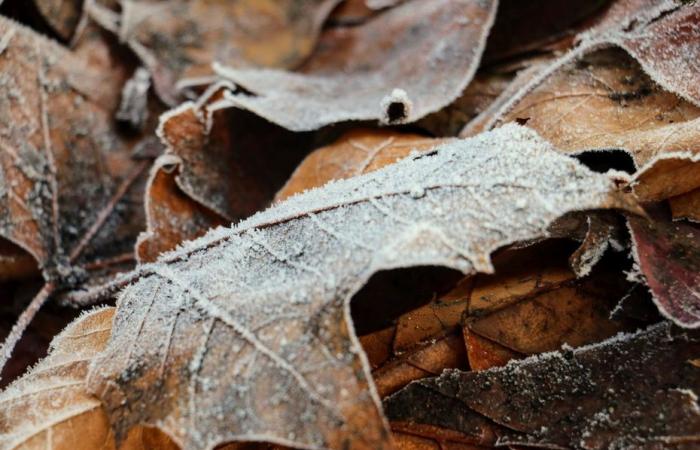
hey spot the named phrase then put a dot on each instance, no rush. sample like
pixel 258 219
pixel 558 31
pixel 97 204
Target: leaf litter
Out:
pixel 276 289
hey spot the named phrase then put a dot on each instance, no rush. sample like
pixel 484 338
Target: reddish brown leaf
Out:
pixel 397 67
pixel 686 206
pixel 668 255
pixel 62 15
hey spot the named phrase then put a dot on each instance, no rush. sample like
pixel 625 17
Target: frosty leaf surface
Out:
pixel 396 67
pixel 244 334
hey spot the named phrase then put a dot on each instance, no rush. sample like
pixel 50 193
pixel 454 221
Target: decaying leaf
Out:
pixel 64 169
pixel 669 175
pixel 632 391
pixel 49 406
pixel 271 295
pixel 484 353
pixel 180 39
pixel 668 256
pixel 396 67
pixel 354 153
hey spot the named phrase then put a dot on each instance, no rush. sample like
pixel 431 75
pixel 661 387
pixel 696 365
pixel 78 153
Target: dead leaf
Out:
pixel 271 295
pixel 424 361
pixel 180 39
pixel 418 407
pixel 356 152
pixel 668 256
pixel 222 166
pixel 484 353
pixel 65 171
pixel 49 407
pixel 668 175
pixel 411 436
pixel 171 216
pixel 578 398
pixel 686 206
pixel 604 101
pixel 397 67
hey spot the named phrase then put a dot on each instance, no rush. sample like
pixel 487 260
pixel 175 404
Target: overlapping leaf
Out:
pixel 397 67
pixel 270 297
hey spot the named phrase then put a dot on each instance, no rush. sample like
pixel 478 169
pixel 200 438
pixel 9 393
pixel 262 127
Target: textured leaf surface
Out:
pixel 62 164
pixel 356 152
pixel 49 406
pixel 396 67
pixel 578 398
pixel 245 333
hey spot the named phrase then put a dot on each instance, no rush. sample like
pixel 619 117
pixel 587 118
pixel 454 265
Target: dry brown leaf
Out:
pixel 180 39
pixel 604 101
pixel 171 216
pixel 411 436
pixel 484 353
pixel 519 274
pixel 397 67
pixel 49 407
pixel 65 171
pixel 686 206
pixel 631 391
pixel 567 315
pixel 271 295
pixel 425 361
pixel 222 166
pixel 669 175
pixel 356 152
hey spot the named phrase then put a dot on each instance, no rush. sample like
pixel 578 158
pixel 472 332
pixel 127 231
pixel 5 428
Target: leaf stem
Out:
pixel 23 322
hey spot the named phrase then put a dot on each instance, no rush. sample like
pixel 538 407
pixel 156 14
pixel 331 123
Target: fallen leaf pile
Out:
pixel 349 224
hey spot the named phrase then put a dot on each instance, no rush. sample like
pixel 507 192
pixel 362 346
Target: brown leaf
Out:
pixel 668 256
pixel 484 353
pixel 412 436
pixel 604 101
pixel 567 315
pixel 686 206
pixel 245 332
pixel 669 175
pixel 424 361
pixel 356 152
pixel 180 39
pixel 171 216
pixel 66 174
pixel 226 165
pixel 635 390
pixel 49 407
pixel 397 67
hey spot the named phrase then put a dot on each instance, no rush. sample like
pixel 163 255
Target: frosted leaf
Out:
pixel 422 49
pixel 260 307
pixel 179 39
pixel 64 169
pixel 49 406
pixel 630 391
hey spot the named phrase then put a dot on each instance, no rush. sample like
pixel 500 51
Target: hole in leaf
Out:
pixel 396 112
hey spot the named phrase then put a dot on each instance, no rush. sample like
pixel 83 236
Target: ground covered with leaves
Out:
pixel 349 224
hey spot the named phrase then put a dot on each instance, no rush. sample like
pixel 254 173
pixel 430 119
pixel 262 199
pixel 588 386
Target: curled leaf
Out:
pixel 245 332
pixel 395 68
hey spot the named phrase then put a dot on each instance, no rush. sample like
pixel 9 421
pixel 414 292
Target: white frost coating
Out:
pixel 282 360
